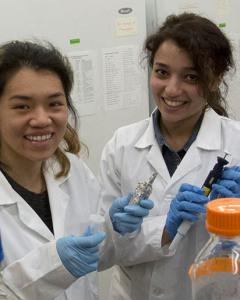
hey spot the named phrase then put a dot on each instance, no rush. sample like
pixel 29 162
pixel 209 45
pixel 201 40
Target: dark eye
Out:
pixel 161 72
pixel 21 107
pixel 192 77
pixel 56 103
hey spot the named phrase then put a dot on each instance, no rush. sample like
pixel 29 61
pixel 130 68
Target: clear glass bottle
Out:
pixel 5 292
pixel 216 270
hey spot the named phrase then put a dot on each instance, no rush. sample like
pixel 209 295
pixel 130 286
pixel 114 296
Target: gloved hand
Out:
pixel 188 202
pixel 228 186
pixel 79 254
pixel 128 218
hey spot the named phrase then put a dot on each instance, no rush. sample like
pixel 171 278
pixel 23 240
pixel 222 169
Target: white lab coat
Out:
pixel 132 155
pixel 32 267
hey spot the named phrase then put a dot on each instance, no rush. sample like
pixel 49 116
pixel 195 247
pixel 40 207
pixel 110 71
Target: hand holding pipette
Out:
pixel 185 206
pixel 228 185
pixel 211 179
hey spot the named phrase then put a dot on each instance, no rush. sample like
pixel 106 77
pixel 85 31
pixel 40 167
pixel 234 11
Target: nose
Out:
pixel 173 87
pixel 40 118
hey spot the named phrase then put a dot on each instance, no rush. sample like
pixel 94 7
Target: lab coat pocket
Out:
pixel 120 288
pixel 85 288
pixel 92 279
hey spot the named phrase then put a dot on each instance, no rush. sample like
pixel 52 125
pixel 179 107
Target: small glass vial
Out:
pixel 97 223
pixel 216 270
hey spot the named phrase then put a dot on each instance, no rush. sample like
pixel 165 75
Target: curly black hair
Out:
pixel 207 46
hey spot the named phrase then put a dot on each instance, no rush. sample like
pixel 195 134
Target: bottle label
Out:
pixel 217 264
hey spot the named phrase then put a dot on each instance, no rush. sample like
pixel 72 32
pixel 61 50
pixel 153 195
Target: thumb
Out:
pixel 87 231
pixel 129 196
pixel 120 203
pixel 90 241
pixel 125 200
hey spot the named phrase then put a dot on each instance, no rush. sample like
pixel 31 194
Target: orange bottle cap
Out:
pixel 223 217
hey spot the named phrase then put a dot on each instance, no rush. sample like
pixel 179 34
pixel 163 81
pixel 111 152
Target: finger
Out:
pixel 129 196
pixel 221 190
pixel 90 241
pixel 192 197
pixel 93 249
pixel 236 168
pixel 231 174
pixel 129 227
pixel 93 266
pixel 122 202
pixel 136 210
pixel 126 218
pixel 147 203
pixel 191 188
pixel 193 207
pixel 230 185
pixel 89 258
pixel 188 216
pixel 87 231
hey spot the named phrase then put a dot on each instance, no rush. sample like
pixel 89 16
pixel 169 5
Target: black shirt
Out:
pixel 171 157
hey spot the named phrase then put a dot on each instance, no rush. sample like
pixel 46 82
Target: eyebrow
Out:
pixel 23 97
pixel 166 66
pixel 58 94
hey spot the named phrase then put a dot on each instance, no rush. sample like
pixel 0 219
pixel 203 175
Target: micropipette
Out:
pixel 212 178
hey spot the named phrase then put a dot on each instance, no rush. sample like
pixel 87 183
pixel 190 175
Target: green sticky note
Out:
pixel 74 41
pixel 221 25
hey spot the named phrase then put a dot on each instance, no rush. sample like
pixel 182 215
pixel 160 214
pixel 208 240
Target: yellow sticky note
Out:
pixel 223 7
pixel 126 26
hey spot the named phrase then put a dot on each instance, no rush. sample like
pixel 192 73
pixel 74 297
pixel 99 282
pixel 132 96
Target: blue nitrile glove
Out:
pixel 79 254
pixel 228 186
pixel 128 218
pixel 188 202
pixel 1 250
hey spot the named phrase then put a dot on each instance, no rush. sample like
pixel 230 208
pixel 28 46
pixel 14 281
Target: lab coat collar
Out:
pixel 148 137
pixel 57 197
pixel 148 140
pixel 26 214
pixel 8 195
pixel 209 136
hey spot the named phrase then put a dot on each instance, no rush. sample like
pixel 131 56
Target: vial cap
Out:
pixel 223 217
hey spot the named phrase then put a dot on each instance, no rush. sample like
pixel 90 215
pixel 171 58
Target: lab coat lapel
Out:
pixel 33 221
pixel 25 212
pixel 207 140
pixel 154 156
pixel 58 200
pixel 190 161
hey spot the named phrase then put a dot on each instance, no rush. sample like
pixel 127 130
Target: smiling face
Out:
pixel 174 84
pixel 33 116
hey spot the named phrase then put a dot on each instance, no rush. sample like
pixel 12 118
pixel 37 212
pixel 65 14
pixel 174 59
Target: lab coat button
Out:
pixel 157 292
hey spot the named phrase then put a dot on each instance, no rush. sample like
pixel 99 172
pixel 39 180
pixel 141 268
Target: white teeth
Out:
pixel 38 138
pixel 173 103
